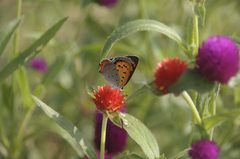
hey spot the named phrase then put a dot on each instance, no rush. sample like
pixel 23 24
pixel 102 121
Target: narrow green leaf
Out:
pixel 65 135
pixel 136 26
pixel 32 50
pixel 53 71
pixel 7 32
pixel 8 98
pixel 90 90
pixel 191 80
pixel 22 81
pixel 69 127
pixel 140 91
pixel 141 135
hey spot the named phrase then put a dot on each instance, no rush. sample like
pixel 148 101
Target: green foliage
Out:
pixel 7 32
pixel 31 51
pixel 141 135
pixel 82 142
pixel 164 29
pixel 191 80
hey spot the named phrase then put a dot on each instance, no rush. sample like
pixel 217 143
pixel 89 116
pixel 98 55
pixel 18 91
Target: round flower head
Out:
pixel 109 99
pixel 115 137
pixel 218 59
pixel 106 155
pixel 107 3
pixel 168 72
pixel 204 150
pixel 38 64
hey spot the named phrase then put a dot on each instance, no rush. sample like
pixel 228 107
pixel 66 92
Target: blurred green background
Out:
pixel 80 41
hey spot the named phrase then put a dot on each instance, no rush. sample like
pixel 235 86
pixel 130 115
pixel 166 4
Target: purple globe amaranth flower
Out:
pixel 107 3
pixel 38 64
pixel 218 59
pixel 106 155
pixel 115 137
pixel 204 150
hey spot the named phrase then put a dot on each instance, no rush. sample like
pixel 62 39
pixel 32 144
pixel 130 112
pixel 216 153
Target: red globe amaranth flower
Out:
pixel 168 72
pixel 38 64
pixel 115 137
pixel 106 155
pixel 108 3
pixel 109 99
pixel 204 150
pixel 218 59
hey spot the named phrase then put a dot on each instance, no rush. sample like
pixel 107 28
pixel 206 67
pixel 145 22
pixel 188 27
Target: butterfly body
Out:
pixel 118 70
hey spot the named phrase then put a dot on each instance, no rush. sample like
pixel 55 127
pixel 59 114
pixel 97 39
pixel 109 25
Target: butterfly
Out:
pixel 118 70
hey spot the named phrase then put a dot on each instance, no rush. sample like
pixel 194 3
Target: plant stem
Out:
pixel 180 154
pixel 192 106
pixel 103 134
pixel 15 46
pixel 143 9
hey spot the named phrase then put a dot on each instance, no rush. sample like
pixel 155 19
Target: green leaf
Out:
pixel 22 81
pixel 161 157
pixel 199 133
pixel 234 81
pixel 7 32
pixel 202 103
pixel 90 90
pixel 136 26
pixel 65 135
pixel 83 143
pixel 191 80
pixel 8 98
pixel 141 135
pixel 53 71
pixel 131 156
pixel 114 117
pixel 32 50
pixel 213 121
pixel 140 91
pixel 153 89
pixel 201 11
pixel 126 155
pixel 216 120
pixel 181 154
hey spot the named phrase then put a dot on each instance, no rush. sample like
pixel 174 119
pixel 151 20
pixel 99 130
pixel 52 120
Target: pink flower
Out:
pixel 38 64
pixel 218 59
pixel 204 150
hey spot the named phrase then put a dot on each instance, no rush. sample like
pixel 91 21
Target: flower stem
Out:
pixel 192 106
pixel 212 110
pixel 103 136
pixel 195 30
